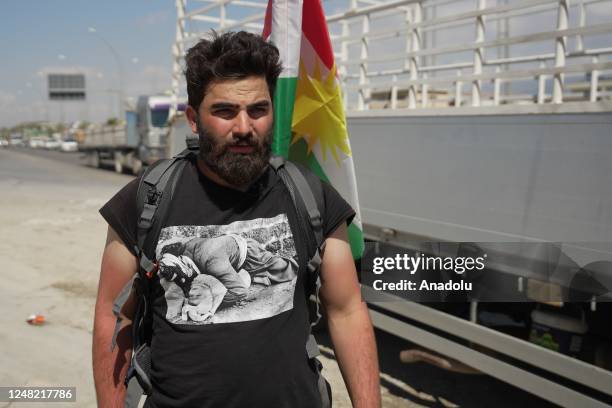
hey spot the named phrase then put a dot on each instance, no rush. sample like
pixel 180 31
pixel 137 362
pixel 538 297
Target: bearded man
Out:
pixel 230 187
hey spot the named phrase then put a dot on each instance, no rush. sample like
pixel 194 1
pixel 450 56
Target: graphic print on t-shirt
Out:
pixel 245 270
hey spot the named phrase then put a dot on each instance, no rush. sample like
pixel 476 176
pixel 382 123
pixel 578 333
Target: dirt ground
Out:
pixel 51 240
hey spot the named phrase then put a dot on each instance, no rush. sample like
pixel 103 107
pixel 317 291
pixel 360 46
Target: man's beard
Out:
pixel 235 168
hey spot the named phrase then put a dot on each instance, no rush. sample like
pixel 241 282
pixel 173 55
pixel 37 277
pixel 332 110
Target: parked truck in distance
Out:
pixel 135 144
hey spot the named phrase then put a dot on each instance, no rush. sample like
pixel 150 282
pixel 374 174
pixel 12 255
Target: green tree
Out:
pixel 60 128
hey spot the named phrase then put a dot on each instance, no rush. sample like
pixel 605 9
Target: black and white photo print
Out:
pixel 245 270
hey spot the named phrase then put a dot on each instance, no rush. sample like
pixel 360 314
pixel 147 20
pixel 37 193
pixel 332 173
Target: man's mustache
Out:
pixel 247 140
pixel 242 142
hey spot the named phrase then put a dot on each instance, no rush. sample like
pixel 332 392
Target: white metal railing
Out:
pixel 423 55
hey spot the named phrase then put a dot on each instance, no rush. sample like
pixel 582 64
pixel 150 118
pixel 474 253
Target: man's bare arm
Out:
pixel 349 322
pixel 110 368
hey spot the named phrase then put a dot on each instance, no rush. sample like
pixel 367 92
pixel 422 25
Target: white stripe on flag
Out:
pixel 342 177
pixel 286 34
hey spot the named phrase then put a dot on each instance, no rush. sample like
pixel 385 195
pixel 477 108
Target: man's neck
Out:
pixel 214 177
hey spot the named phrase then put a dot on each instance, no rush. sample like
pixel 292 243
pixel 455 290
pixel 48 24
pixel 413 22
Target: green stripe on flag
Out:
pixel 284 99
pixel 355 236
pixel 299 154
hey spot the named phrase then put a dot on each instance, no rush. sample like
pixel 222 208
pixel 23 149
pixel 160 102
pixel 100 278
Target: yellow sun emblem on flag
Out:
pixel 318 115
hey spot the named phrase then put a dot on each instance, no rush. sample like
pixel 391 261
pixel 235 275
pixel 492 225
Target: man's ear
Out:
pixel 192 116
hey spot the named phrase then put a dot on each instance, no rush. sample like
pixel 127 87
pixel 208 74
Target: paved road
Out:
pixel 76 158
pixel 51 240
pixel 50 245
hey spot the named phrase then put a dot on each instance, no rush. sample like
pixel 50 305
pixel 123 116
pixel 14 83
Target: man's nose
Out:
pixel 242 125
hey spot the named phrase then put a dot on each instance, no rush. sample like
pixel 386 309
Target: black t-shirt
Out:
pixel 230 317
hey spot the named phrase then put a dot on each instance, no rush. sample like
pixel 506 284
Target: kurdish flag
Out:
pixel 310 124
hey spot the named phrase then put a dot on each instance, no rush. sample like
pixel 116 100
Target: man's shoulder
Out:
pixel 309 174
pixel 126 194
pixel 152 174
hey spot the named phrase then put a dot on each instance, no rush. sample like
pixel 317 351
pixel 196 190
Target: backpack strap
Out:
pixel 306 194
pixel 154 195
pixel 150 191
pixel 159 180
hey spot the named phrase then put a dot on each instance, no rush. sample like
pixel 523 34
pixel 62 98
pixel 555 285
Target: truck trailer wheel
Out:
pixel 118 163
pixel 137 167
pixel 94 159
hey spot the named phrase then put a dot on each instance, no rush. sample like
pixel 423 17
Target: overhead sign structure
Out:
pixel 66 87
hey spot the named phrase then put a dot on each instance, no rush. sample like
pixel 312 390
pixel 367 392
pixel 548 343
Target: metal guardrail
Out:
pixel 490 69
pixel 566 367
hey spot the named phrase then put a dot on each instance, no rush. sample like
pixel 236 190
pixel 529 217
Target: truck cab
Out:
pixel 152 126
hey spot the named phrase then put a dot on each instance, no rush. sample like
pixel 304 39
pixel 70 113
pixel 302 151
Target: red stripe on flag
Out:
pixel 314 28
pixel 268 21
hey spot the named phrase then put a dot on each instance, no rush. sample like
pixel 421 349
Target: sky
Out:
pixel 39 37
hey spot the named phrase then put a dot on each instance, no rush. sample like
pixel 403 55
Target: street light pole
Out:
pixel 119 68
pixel 42 100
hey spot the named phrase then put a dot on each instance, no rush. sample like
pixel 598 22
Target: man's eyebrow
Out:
pixel 224 105
pixel 259 104
pixel 228 105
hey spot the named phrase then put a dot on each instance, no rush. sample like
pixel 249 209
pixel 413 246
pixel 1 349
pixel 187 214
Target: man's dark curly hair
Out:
pixel 232 55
